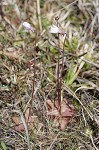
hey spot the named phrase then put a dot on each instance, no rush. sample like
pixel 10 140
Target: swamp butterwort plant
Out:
pixel 60 110
pixel 54 29
pixel 28 27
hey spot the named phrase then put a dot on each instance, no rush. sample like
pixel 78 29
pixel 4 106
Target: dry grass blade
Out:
pixel 26 130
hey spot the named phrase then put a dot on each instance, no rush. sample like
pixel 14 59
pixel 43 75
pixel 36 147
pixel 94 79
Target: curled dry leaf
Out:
pixel 61 119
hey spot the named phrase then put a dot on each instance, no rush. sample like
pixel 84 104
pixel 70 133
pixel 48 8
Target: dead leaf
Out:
pixel 18 126
pixel 61 119
pixel 16 120
pixel 31 121
pixel 64 122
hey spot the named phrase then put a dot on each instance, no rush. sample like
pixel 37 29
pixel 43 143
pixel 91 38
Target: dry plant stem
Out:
pixel 58 71
pixel 53 141
pixel 33 82
pixel 38 13
pixel 62 72
pixel 59 77
pixel 34 69
pixel 65 7
pixel 63 55
pixel 93 143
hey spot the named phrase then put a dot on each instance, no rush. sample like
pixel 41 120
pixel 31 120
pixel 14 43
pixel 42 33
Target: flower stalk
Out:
pixel 56 30
pixel 58 71
pixel 34 67
pixel 28 27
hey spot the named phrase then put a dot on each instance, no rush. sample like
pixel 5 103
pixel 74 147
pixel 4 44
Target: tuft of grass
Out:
pixel 3 146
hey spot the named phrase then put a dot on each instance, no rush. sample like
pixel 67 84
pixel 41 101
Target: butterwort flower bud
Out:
pixel 27 26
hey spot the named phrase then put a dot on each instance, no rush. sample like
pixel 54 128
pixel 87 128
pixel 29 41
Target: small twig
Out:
pixel 53 141
pixel 65 7
pixel 93 143
pixel 90 62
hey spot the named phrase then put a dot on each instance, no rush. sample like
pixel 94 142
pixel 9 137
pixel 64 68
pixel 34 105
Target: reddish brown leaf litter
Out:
pixel 31 122
pixel 66 116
